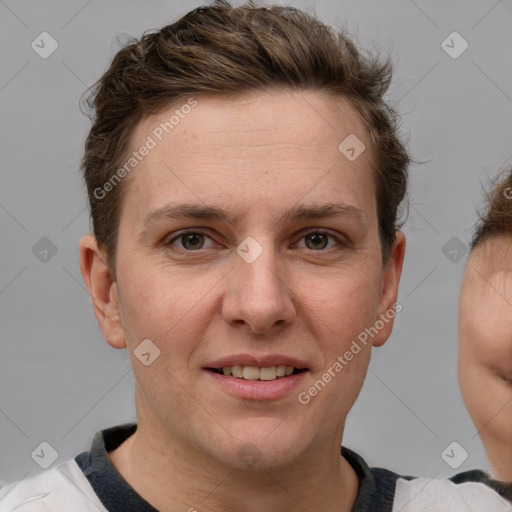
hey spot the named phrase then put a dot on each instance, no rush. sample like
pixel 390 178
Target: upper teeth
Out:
pixel 255 373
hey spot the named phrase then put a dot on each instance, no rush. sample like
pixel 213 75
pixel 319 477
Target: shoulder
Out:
pixel 386 491
pixel 61 488
pixel 471 490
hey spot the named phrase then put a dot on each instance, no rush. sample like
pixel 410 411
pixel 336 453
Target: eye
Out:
pixel 319 239
pixel 506 381
pixel 189 240
pixel 194 240
pixel 505 378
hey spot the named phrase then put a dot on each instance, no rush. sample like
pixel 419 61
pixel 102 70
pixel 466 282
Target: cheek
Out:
pixel 168 309
pixel 485 347
pixel 489 402
pixel 485 332
pixel 177 308
pixel 342 307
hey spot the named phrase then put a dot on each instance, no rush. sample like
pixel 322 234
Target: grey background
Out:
pixel 59 380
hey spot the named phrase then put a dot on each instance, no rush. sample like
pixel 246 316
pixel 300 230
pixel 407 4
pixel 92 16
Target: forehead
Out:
pixel 493 254
pixel 264 145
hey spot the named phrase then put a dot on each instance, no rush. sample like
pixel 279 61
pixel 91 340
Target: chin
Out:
pixel 265 446
pixel 260 457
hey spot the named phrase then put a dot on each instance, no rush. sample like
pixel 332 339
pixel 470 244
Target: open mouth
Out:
pixel 256 373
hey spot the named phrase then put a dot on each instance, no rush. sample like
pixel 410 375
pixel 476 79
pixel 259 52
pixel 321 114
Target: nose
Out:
pixel 257 294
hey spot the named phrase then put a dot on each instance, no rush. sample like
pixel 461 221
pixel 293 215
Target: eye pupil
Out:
pixel 315 238
pixel 194 238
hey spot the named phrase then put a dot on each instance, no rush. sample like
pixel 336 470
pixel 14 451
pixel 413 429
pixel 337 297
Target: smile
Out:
pixel 257 377
pixel 257 373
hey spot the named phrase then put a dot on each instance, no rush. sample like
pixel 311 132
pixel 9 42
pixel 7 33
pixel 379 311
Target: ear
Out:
pixel 103 291
pixel 388 306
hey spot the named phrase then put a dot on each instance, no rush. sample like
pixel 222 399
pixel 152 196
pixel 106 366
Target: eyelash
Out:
pixel 507 381
pixel 184 233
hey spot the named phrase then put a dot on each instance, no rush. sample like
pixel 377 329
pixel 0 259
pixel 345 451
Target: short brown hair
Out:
pixel 225 50
pixel 496 219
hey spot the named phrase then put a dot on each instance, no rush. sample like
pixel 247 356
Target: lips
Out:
pixel 251 368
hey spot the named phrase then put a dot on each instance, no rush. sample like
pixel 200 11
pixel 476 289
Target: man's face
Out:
pixel 256 288
pixel 485 348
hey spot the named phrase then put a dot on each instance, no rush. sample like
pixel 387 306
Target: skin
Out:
pixel 485 348
pixel 259 155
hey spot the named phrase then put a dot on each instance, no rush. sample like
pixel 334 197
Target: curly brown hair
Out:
pixel 225 50
pixel 496 219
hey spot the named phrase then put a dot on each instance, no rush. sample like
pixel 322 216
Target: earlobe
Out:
pixel 103 291
pixel 388 305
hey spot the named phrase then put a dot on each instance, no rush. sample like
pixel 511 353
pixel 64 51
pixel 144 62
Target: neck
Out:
pixel 172 477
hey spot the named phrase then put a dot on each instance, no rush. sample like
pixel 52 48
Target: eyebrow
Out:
pixel 201 211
